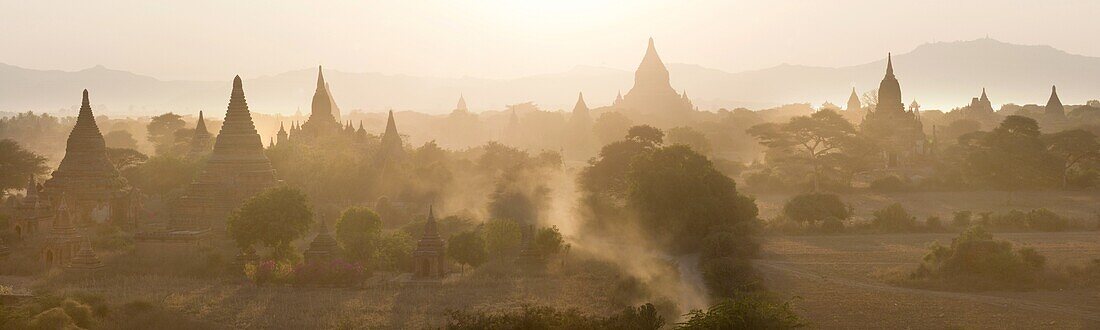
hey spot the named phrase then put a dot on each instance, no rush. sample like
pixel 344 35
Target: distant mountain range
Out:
pixel 938 75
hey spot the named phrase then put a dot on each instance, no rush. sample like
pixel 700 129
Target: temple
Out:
pixel 391 149
pixel 580 137
pixel 652 96
pixel 461 106
pixel 236 170
pixel 200 141
pixel 899 132
pixel 428 258
pixel 86 175
pixel 63 241
pixel 322 122
pixel 1054 109
pixel 323 247
pixel 30 212
pixel 85 261
pixel 854 112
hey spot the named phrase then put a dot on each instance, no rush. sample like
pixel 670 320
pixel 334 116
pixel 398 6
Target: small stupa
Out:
pixel 428 259
pixel 323 247
pixel 86 261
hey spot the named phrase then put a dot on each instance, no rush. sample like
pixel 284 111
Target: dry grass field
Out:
pixel 841 283
pixel 1083 205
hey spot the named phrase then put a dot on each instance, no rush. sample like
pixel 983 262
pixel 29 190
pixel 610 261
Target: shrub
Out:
pixel 1042 219
pixel 330 273
pixel 267 272
pixel 961 219
pixel 933 223
pixel 975 260
pixel 815 207
pixel 548 241
pixel 545 317
pixel 81 314
pixel 894 218
pixel 832 225
pixel 467 248
pixel 889 184
pixel 727 277
pixel 746 311
pixel 53 318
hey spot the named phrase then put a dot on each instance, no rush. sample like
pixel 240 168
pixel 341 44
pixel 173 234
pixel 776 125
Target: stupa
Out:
pixel 63 241
pixel 428 258
pixel 200 141
pixel 899 132
pixel 86 176
pixel 322 122
pixel 236 170
pixel 30 212
pixel 85 261
pixel 323 247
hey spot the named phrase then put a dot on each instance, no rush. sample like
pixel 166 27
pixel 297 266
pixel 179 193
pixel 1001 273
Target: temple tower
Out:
pixel 428 258
pixel 282 136
pixel 391 149
pixel 461 106
pixel 85 261
pixel 236 170
pixel 1054 108
pixel 200 141
pixel 86 175
pixel 30 212
pixel 321 120
pixel 652 94
pixel 580 136
pixel 63 241
pixel 323 247
pixel 898 131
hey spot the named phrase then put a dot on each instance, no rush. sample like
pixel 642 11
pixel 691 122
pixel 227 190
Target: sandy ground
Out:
pixel 839 282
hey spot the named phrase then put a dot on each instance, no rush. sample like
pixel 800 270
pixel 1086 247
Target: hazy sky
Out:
pixel 212 40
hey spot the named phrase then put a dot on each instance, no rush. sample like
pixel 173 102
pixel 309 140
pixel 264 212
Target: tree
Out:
pixel 809 138
pixel 17 165
pixel 1072 147
pixel 815 207
pixel 273 219
pixel 680 197
pixel 549 242
pixel 690 137
pixel 124 157
pixel 467 248
pixel 161 175
pixel 647 135
pixel 611 126
pixel 1012 157
pixel 162 130
pixel 120 139
pixel 502 237
pixel 359 230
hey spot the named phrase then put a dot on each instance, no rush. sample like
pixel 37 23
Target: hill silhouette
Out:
pixel 938 75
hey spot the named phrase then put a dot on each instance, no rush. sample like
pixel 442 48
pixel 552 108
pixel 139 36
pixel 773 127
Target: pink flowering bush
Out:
pixel 268 272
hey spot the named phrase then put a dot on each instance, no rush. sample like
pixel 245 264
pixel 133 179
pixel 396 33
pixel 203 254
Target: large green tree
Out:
pixel 272 219
pixel 680 197
pixel 1012 157
pixel 1073 148
pixel 17 165
pixel 808 139
pixel 162 132
pixel 359 231
pixel 467 248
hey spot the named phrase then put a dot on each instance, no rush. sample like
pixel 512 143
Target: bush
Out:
pixel 1042 219
pixel 545 317
pixel 815 207
pixel 889 184
pixel 727 276
pixel 961 219
pixel 746 311
pixel 933 223
pixel 53 318
pixel 832 225
pixel 894 218
pixel 328 273
pixel 268 272
pixel 974 260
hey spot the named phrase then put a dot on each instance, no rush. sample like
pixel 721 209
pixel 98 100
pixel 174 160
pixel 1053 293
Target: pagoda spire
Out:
pixel 201 126
pixel 430 229
pixel 321 79
pixel 238 133
pixel 889 65
pixel 1054 105
pixel 581 106
pixel 461 104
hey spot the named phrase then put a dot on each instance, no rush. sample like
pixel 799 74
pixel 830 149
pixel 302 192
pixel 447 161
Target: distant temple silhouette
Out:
pixel 898 131
pixel 652 96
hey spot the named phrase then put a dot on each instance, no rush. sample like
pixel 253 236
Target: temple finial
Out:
pixel 889 64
